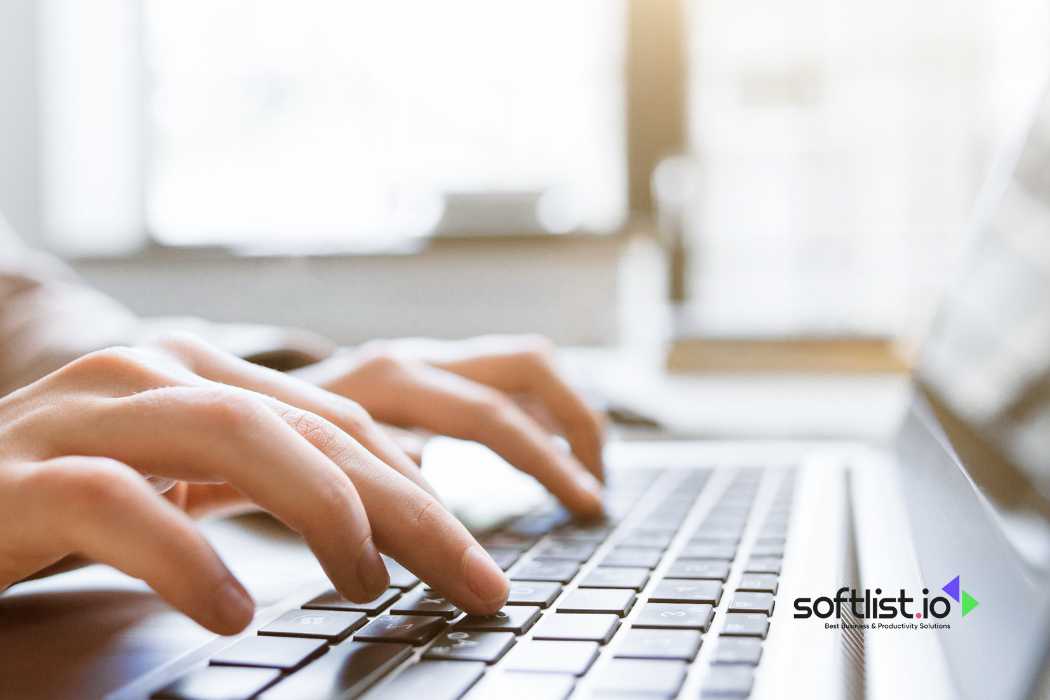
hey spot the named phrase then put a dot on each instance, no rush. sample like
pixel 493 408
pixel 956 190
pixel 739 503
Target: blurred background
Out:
pixel 408 167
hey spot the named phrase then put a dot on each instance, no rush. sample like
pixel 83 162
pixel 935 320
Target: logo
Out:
pixel 875 605
pixel 953 589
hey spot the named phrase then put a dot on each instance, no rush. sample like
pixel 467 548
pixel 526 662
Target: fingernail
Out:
pixel 586 481
pixel 372 571
pixel 233 606
pixel 483 577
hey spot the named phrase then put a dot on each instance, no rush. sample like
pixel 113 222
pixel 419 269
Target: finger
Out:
pixel 105 511
pixel 224 434
pixel 410 524
pixel 215 365
pixel 526 367
pixel 451 405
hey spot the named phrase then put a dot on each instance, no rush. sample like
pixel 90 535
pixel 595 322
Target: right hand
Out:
pixel 75 444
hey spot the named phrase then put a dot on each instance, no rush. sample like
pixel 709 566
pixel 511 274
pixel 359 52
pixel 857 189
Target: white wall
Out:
pixel 569 288
pixel 19 171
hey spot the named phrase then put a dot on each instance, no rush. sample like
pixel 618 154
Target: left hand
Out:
pixel 502 391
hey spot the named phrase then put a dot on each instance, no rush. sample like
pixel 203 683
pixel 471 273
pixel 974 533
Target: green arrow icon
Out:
pixel 968 603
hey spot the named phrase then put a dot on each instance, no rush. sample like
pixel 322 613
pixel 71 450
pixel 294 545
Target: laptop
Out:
pixel 745 569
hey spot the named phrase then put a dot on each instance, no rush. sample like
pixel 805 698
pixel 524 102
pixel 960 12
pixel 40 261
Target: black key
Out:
pixel 511 618
pixel 567 549
pixel 507 540
pixel 470 645
pixel 746 625
pixel 400 577
pixel 699 569
pixel 346 671
pixel 752 602
pixel 331 600
pixel 659 644
pixel 767 550
pixel 546 570
pixel 584 532
pixel 433 680
pixel 219 683
pixel 719 533
pixel 761 583
pixel 658 677
pixel 407 629
pixel 534 686
pixel 686 591
pixel 270 652
pixel 708 551
pixel 704 539
pixel 742 650
pixel 763 565
pixel 552 657
pixel 580 628
pixel 617 601
pixel 653 540
pixel 425 602
pixel 675 616
pixel 541 593
pixel 612 577
pixel 333 625
pixel 536 525
pixel 505 557
pixel 728 682
pixel 633 556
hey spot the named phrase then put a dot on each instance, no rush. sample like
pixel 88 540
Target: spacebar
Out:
pixel 346 671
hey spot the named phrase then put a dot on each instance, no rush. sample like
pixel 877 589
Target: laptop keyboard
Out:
pixel 679 581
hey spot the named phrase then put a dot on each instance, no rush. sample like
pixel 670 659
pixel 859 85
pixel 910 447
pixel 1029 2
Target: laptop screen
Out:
pixel 987 358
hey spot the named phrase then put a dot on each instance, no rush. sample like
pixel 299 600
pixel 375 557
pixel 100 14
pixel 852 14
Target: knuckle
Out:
pixel 229 411
pixel 331 504
pixel 319 432
pixel 377 359
pixel 182 344
pixel 95 482
pixel 353 416
pixel 489 407
pixel 427 517
pixel 109 362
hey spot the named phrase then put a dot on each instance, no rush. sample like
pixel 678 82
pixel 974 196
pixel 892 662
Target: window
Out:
pixel 840 145
pixel 327 123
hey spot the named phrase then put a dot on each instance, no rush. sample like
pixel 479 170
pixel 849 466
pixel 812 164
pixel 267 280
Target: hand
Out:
pixel 74 446
pixel 503 391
